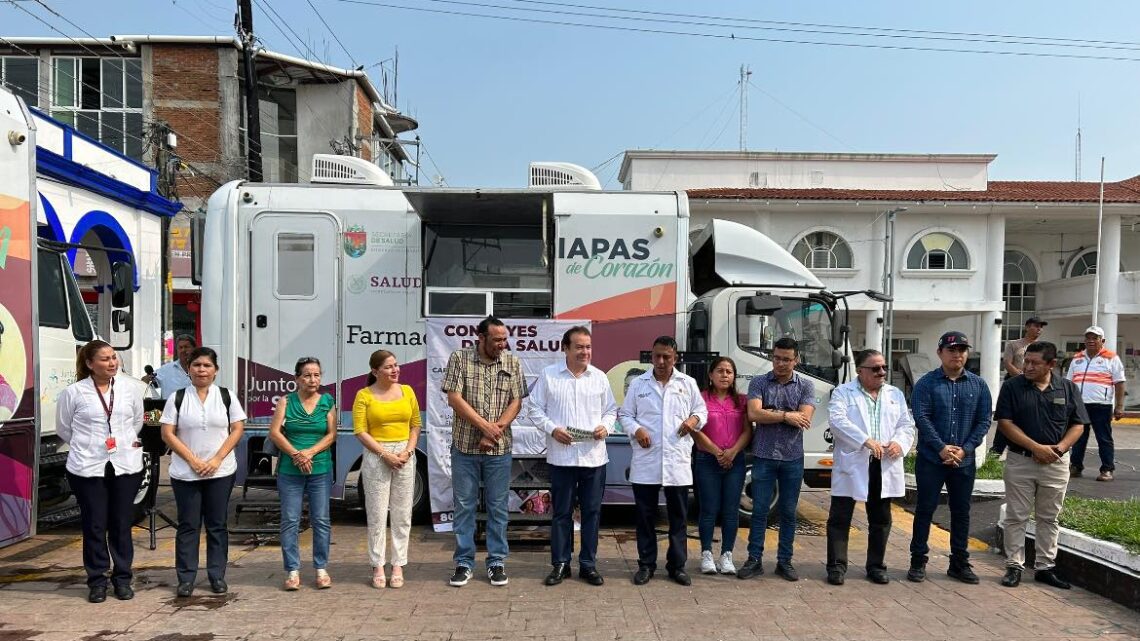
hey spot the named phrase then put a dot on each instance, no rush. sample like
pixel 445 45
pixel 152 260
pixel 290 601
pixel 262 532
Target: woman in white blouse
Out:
pixel 100 419
pixel 202 424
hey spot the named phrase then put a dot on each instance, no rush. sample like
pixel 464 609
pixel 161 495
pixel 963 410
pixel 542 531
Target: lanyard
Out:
pixel 108 408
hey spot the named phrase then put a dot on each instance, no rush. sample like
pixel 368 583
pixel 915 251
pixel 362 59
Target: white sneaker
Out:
pixel 726 565
pixel 707 565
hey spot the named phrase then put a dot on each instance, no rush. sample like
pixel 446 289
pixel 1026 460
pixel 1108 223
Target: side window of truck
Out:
pixel 52 291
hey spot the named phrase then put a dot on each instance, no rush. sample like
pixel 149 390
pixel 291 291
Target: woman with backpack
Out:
pixel 202 424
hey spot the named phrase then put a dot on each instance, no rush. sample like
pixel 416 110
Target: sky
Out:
pixel 492 94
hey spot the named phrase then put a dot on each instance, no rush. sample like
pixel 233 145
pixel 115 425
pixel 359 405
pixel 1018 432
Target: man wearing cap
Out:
pixel 1013 358
pixel 952 416
pixel 1042 416
pixel 1100 375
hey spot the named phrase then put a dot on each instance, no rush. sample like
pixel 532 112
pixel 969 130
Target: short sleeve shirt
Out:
pixel 488 388
pixel 1015 352
pixel 1044 415
pixel 780 441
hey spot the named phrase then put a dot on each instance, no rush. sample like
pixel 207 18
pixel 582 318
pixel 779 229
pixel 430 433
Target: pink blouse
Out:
pixel 726 419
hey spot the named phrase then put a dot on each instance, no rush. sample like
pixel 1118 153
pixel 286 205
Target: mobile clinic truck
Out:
pixel 57 212
pixel 350 264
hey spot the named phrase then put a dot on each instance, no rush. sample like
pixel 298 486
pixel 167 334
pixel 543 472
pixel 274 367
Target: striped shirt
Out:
pixel 1096 376
pixel 578 403
pixel 873 412
pixel 488 388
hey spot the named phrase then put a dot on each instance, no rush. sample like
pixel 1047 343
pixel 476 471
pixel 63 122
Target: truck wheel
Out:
pixel 746 500
pixel 148 491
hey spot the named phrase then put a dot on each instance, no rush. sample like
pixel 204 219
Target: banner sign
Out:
pixel 536 343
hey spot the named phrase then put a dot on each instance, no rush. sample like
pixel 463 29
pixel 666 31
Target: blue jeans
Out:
pixel 959 482
pixel 467 472
pixel 582 485
pixel 767 475
pixel 1100 415
pixel 719 492
pixel 293 488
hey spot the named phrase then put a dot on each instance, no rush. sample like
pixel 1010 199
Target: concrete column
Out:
pixel 1108 271
pixel 989 339
pixel 873 330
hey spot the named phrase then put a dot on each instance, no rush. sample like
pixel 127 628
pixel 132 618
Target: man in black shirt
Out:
pixel 1042 416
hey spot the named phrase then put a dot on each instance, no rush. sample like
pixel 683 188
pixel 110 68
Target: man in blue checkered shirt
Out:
pixel 952 410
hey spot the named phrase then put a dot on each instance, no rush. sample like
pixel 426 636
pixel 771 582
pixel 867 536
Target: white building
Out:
pixel 970 254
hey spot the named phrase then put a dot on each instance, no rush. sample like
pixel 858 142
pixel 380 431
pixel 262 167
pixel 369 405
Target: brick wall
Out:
pixel 364 122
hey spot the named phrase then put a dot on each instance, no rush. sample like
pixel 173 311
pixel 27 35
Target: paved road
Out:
pixel 42 597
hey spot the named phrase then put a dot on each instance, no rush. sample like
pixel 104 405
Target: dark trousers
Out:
pixel 1101 417
pixel 106 509
pixel 959 482
pixel 878 518
pixel 677 507
pixel 583 485
pixel 202 503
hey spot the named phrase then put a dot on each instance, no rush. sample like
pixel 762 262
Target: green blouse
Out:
pixel 304 430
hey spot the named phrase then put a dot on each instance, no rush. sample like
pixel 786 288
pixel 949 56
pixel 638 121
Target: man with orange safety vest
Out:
pixel 1100 375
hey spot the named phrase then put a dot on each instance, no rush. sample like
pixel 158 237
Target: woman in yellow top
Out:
pixel 386 419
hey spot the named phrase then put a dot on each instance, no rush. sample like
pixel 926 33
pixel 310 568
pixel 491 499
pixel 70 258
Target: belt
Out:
pixel 1024 452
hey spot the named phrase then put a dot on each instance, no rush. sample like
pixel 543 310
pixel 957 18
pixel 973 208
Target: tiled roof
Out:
pixel 1124 191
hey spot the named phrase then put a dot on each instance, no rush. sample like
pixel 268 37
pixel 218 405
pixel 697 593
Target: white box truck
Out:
pixel 349 264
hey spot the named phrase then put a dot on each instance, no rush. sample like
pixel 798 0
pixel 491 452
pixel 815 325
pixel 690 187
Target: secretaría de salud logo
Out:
pixel 355 241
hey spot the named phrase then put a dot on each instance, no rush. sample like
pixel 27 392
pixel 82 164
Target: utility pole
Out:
pixel 745 74
pixel 889 286
pixel 252 104
pixel 166 162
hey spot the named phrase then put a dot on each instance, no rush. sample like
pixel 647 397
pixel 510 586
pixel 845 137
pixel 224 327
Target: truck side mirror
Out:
pixel 121 320
pixel 122 285
pixel 839 333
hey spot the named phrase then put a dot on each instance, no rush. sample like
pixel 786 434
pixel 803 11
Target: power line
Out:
pixel 332 33
pixel 799 115
pixel 732 36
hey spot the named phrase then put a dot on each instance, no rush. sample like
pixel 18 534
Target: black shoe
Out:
pixel 589 575
pixel 1075 472
pixel 97 594
pixel 1012 577
pixel 917 571
pixel 124 592
pixel 1049 577
pixel 218 586
pixel 878 576
pixel 754 566
pixel 461 577
pixel 680 576
pixel 788 571
pixel 964 572
pixel 557 573
pixel 185 589
pixel 835 577
pixel 644 573
pixel 498 575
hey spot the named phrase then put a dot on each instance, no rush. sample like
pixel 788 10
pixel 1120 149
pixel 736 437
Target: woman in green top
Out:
pixel 303 428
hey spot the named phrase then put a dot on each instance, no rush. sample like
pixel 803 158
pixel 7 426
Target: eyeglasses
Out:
pixel 874 368
pixel 782 359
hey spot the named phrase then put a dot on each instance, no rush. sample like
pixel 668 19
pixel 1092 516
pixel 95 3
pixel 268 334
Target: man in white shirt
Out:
pixel 173 376
pixel 661 410
pixel 574 405
pixel 1100 375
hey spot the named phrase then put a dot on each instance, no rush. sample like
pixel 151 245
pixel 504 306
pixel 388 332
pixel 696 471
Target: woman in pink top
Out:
pixel 719 464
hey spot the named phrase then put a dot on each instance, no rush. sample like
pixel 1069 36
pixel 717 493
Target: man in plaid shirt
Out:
pixel 485 387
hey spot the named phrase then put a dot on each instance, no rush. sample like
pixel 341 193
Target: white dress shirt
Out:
pixel 661 409
pixel 561 399
pixel 81 422
pixel 170 378
pixel 202 427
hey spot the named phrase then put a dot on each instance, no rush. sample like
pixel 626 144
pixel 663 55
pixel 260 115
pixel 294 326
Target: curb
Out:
pixel 992 488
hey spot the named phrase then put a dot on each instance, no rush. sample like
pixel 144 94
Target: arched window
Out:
pixel 938 251
pixel 1084 264
pixel 1019 292
pixel 823 250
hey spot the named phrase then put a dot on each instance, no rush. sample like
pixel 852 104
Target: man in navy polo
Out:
pixel 952 415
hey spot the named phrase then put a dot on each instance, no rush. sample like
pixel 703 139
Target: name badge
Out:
pixel 111 445
pixel 1059 401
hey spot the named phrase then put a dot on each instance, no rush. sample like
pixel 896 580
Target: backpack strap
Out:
pixel 179 396
pixel 226 401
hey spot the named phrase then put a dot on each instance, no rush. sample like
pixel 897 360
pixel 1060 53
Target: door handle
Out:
pixel 262 321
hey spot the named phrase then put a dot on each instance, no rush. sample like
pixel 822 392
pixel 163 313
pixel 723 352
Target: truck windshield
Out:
pixel 805 320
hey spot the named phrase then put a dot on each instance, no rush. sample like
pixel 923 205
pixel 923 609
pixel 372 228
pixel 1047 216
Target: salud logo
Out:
pixel 355 241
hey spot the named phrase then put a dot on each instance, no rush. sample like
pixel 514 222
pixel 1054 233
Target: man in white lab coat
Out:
pixel 661 409
pixel 873 429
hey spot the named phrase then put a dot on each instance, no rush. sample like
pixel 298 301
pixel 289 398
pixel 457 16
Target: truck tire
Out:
pixel 421 500
pixel 746 501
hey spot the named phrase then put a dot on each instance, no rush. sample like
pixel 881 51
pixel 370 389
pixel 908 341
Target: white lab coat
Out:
pixel 848 419
pixel 661 410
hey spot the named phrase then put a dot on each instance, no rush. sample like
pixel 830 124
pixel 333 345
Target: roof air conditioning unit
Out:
pixel 347 170
pixel 564 175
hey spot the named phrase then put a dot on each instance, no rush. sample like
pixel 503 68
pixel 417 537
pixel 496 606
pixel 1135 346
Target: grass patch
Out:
pixel 1115 521
pixel 991 470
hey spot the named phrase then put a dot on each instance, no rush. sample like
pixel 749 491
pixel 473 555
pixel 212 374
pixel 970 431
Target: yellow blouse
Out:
pixel 386 421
